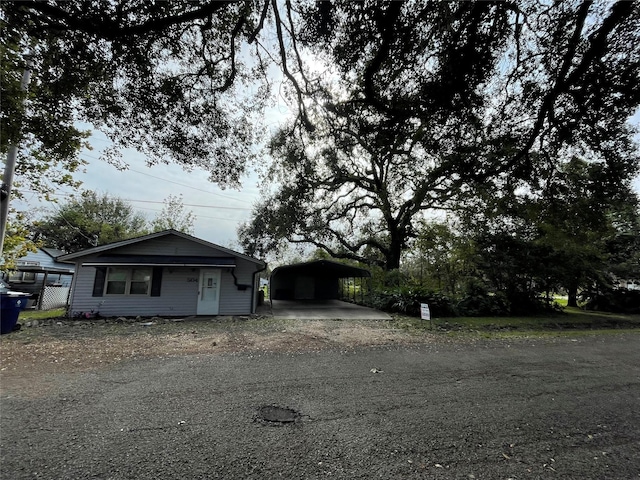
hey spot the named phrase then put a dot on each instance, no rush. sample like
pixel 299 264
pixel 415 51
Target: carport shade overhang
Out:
pixel 286 280
pixel 44 269
pixel 323 267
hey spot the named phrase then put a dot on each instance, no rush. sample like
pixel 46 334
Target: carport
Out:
pixel 316 280
pixel 312 290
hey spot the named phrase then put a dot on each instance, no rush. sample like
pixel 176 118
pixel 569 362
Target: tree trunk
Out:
pixel 392 258
pixel 572 293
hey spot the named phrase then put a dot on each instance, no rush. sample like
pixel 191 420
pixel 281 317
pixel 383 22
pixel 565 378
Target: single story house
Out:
pixel 166 273
pixel 316 280
pixel 40 274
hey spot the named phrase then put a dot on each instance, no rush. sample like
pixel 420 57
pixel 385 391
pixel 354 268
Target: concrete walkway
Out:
pixel 324 310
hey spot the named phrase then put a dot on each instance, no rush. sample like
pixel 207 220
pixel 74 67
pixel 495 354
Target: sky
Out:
pixel 218 212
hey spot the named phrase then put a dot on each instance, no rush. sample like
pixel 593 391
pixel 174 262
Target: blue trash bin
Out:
pixel 10 307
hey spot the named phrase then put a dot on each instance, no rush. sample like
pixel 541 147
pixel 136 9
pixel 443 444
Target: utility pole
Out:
pixel 10 165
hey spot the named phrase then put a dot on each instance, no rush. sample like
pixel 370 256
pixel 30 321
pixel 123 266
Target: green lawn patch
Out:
pixel 569 319
pixel 27 315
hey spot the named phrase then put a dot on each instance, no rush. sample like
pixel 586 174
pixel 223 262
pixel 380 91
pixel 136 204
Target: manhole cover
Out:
pixel 275 414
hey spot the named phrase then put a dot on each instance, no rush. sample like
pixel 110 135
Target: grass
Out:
pixel 27 315
pixel 571 319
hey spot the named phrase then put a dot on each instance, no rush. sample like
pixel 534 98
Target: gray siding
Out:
pixel 232 300
pixel 179 293
pixel 168 245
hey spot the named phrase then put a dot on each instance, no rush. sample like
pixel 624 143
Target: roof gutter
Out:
pixel 253 310
pixel 239 286
pixel 149 264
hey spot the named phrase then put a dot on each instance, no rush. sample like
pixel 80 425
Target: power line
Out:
pixel 190 205
pixel 175 183
pixel 156 202
pixel 187 186
pixel 196 216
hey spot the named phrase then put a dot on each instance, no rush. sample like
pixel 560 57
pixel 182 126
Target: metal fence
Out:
pixel 53 297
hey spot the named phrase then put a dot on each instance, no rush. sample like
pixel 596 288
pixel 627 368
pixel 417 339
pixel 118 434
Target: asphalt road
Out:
pixel 556 408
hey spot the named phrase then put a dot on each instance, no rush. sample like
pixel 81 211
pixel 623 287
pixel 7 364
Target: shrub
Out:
pixel 482 305
pixel 480 302
pixel 407 301
pixel 618 300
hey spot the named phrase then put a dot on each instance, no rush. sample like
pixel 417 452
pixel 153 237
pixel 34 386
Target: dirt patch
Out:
pixel 63 346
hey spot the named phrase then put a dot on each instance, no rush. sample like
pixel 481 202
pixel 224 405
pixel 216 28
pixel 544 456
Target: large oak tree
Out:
pixel 425 104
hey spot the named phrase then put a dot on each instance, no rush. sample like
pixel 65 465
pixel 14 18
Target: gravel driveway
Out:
pixel 558 407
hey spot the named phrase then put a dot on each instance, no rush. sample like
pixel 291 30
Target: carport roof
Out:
pixel 323 268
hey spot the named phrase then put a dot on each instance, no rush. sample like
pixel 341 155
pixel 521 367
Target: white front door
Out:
pixel 209 292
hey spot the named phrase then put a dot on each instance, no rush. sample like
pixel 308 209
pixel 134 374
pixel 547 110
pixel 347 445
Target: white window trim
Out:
pixel 127 286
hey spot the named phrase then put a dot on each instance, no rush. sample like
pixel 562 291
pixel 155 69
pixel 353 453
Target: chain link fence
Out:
pixel 53 297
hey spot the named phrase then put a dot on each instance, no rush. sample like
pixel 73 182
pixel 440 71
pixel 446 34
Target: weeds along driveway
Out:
pixel 565 407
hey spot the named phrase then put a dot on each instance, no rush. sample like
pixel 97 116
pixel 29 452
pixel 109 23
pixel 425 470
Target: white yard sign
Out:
pixel 425 314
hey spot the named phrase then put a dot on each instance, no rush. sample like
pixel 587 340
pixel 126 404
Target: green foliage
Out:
pixel 612 300
pixel 174 216
pixel 166 78
pixel 90 220
pixel 623 246
pixel 574 234
pixel 407 301
pixel 439 258
pixel 478 302
pixel 28 315
pixel 17 242
pixel 50 146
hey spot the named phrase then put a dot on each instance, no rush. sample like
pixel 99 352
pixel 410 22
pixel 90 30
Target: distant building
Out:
pixel 40 274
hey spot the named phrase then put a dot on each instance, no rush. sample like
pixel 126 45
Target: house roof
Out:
pixel 52 252
pixel 162 261
pixel 72 257
pixel 322 268
pixel 25 265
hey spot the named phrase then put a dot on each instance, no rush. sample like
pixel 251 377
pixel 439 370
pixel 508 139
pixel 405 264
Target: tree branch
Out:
pixel 598 43
pixel 109 29
pixel 283 58
pixel 388 35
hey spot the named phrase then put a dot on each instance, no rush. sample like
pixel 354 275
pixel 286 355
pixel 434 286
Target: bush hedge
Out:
pixel 617 300
pixel 477 303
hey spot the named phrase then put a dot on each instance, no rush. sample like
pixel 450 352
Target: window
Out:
pixel 14 277
pixel 29 277
pixel 140 281
pixel 22 277
pixel 128 281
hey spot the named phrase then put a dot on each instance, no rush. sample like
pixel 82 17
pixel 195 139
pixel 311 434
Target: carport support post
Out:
pixel 44 285
pixel 354 289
